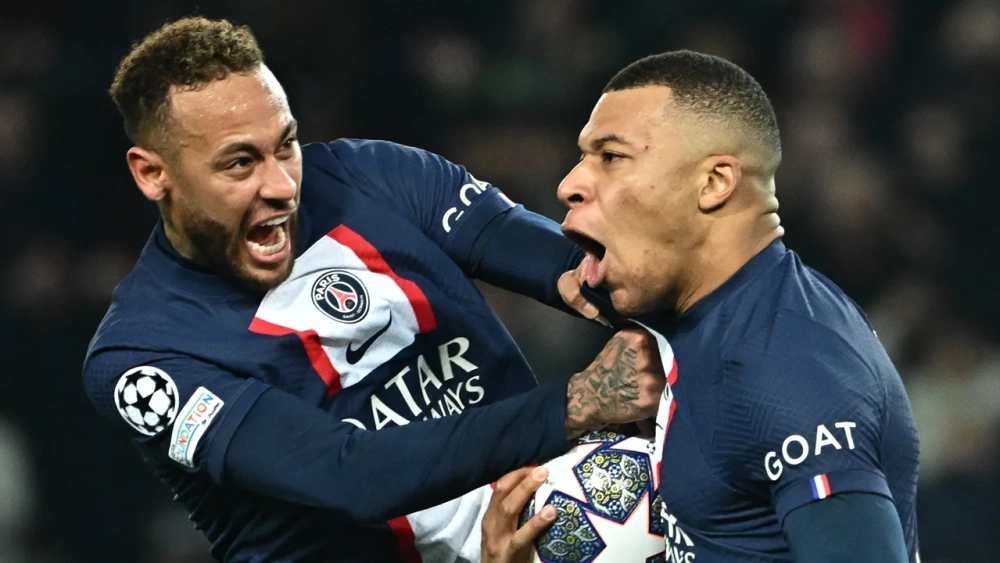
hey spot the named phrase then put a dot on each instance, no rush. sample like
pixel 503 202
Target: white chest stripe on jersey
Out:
pixel 665 409
pixel 333 294
pixel 344 298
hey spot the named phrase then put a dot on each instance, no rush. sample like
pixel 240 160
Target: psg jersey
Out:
pixel 779 394
pixel 379 325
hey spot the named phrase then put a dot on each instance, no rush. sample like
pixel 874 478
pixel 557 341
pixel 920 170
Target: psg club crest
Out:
pixel 341 296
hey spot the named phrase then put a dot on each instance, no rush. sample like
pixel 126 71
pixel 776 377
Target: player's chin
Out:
pixel 268 271
pixel 628 301
pixel 621 298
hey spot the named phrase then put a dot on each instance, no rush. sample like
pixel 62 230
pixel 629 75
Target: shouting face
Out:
pixel 633 198
pixel 228 181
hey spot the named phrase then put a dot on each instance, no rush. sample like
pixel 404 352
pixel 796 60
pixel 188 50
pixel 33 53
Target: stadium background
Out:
pixel 889 116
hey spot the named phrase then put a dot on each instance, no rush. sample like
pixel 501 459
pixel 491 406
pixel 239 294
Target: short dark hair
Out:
pixel 190 52
pixel 711 87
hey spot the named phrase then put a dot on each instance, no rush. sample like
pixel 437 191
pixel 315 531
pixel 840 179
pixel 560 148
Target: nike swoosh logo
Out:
pixel 354 355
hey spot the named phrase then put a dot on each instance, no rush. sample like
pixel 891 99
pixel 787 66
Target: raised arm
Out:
pixel 482 231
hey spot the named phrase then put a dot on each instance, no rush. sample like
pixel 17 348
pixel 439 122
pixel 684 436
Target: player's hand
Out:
pixel 623 384
pixel 503 541
pixel 569 288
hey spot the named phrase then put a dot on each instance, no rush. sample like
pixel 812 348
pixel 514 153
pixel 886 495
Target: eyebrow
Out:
pixel 243 146
pixel 599 142
pixel 287 130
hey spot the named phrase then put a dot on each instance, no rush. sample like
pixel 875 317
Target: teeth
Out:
pixel 279 243
pixel 274 222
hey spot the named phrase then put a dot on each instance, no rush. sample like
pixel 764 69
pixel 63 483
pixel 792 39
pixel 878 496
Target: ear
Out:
pixel 723 174
pixel 150 173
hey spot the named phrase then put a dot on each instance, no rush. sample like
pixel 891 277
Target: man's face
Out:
pixel 235 178
pixel 633 198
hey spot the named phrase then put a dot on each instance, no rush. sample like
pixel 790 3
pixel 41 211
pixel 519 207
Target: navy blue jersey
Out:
pixel 379 325
pixel 780 395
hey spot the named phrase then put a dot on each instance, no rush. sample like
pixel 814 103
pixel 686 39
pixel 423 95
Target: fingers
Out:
pixel 502 541
pixel 521 493
pixel 501 491
pixel 634 353
pixel 569 289
pixel 523 538
pixel 652 378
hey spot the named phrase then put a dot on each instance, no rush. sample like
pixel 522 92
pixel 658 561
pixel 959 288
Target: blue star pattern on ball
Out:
pixel 572 538
pixel 614 481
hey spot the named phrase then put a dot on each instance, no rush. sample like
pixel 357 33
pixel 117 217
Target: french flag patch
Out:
pixel 820 486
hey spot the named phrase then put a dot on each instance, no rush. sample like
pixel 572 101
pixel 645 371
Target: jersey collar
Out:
pixel 166 264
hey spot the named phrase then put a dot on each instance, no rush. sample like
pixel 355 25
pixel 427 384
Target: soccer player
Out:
pixel 299 352
pixel 785 431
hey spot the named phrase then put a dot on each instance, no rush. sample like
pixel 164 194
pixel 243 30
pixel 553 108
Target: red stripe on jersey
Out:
pixel 314 350
pixel 672 376
pixel 373 261
pixel 406 539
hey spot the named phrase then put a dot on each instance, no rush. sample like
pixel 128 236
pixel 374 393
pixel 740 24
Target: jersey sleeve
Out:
pixel 849 527
pixel 185 409
pixel 448 204
pixel 805 412
pixel 247 435
pixel 524 252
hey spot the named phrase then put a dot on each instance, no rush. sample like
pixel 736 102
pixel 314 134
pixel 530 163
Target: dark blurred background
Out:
pixel 889 114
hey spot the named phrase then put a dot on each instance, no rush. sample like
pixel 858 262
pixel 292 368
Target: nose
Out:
pixel 577 187
pixel 279 183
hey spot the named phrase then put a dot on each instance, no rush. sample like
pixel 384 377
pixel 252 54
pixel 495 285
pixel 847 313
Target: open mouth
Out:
pixel 589 245
pixel 268 240
pixel 594 265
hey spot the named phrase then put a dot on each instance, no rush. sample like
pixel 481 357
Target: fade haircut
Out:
pixel 714 89
pixel 189 53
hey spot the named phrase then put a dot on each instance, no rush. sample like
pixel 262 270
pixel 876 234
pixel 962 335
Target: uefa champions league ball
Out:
pixel 146 397
pixel 609 511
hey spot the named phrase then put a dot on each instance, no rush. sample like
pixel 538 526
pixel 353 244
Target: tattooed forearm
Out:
pixel 607 391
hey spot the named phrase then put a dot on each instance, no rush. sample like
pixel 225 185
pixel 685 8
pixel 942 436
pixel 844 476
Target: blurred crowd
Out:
pixel 890 123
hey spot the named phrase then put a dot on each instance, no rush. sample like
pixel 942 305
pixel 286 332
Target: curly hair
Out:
pixel 189 53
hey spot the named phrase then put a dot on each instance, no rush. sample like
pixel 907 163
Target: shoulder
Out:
pixel 144 314
pixel 799 380
pixel 811 356
pixel 148 314
pixel 366 154
pixel 798 360
pixel 807 297
pixel 127 337
pixel 800 328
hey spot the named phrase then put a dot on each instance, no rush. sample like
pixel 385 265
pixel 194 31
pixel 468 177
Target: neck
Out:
pixel 181 245
pixel 723 254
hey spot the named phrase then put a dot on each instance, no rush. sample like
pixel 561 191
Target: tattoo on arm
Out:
pixel 608 388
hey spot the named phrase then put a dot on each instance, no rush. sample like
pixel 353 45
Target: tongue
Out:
pixel 594 271
pixel 264 236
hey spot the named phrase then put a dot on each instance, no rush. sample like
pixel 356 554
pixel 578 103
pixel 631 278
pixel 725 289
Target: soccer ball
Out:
pixel 609 510
pixel 146 397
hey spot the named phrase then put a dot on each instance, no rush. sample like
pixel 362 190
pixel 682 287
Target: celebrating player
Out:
pixel 299 351
pixel 785 431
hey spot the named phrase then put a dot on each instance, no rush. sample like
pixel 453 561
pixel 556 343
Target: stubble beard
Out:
pixel 220 249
